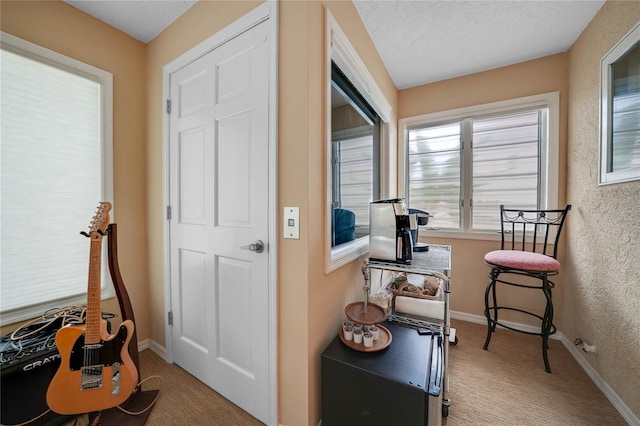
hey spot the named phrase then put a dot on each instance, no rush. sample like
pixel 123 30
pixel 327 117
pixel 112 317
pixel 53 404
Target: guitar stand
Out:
pixel 139 399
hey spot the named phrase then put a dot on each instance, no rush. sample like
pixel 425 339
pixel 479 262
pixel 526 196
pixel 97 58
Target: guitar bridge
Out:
pixel 91 377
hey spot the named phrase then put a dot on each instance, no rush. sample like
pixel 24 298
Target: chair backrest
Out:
pixel 532 228
pixel 345 226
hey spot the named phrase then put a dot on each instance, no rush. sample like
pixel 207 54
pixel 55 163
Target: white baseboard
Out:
pixel 480 319
pixel 154 346
pixel 143 344
pixel 615 400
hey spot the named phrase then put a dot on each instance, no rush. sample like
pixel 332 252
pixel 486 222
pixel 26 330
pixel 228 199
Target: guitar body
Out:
pixel 92 377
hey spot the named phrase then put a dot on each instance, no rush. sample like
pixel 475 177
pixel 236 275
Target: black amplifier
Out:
pixel 27 366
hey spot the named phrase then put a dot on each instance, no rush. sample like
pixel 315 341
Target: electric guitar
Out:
pixel 96 371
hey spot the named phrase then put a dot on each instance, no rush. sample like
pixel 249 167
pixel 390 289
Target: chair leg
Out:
pixel 547 322
pixel 491 323
pixel 495 302
pixel 547 319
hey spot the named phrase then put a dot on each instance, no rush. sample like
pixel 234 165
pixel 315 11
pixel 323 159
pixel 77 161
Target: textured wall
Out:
pixel 602 268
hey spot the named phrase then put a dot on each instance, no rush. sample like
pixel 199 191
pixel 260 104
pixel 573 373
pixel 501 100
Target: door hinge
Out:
pixel 170 317
pixel 168 106
pixel 168 212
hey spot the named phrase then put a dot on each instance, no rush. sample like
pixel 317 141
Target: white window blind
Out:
pixel 356 176
pixel 625 139
pixel 54 170
pixel 434 161
pixel 505 165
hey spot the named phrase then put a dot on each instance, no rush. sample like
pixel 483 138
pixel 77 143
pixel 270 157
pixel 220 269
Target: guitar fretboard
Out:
pixel 94 312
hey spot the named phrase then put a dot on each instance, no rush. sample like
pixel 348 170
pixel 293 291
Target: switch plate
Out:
pixel 291 223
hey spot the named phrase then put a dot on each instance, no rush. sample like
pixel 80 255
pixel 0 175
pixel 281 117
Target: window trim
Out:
pixel 105 79
pixel 605 177
pixel 342 53
pixel 549 153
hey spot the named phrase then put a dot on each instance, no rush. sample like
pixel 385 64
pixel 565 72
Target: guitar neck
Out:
pixel 94 312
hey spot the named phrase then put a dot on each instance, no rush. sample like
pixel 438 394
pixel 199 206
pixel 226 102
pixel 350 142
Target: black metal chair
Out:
pixel 529 248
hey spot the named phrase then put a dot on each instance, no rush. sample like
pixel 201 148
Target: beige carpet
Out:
pixel 185 400
pixel 506 385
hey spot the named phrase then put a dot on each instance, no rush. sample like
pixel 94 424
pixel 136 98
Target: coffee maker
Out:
pixel 390 231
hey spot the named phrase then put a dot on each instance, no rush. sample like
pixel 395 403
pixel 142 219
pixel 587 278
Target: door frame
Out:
pixel 266 11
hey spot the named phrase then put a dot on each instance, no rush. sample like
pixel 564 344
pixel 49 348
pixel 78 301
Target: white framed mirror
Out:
pixel 357 115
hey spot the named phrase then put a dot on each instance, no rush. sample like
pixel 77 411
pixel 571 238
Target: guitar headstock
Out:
pixel 100 222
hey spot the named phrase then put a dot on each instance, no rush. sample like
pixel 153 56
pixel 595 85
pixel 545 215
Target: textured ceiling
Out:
pixel 419 41
pixel 427 41
pixel 141 19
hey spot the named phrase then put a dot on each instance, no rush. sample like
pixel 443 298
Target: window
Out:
pixel 461 165
pixel 355 131
pixel 620 111
pixel 55 167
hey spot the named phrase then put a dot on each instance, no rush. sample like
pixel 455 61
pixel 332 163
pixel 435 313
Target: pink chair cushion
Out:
pixel 522 260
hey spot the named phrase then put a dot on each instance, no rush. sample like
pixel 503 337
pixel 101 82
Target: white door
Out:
pixel 218 191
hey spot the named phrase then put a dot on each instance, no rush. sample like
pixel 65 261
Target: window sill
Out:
pixel 477 235
pixel 460 235
pixel 27 313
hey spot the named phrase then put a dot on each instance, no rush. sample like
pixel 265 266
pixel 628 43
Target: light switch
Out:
pixel 292 223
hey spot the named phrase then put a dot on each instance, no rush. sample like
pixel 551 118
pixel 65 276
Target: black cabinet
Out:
pixel 400 385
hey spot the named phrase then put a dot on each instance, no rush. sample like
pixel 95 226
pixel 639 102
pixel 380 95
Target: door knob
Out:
pixel 258 247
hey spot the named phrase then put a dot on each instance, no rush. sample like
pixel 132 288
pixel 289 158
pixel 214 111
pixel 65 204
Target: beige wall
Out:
pixel 64 29
pixel 548 74
pixel 602 294
pixel 294 131
pixel 311 304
